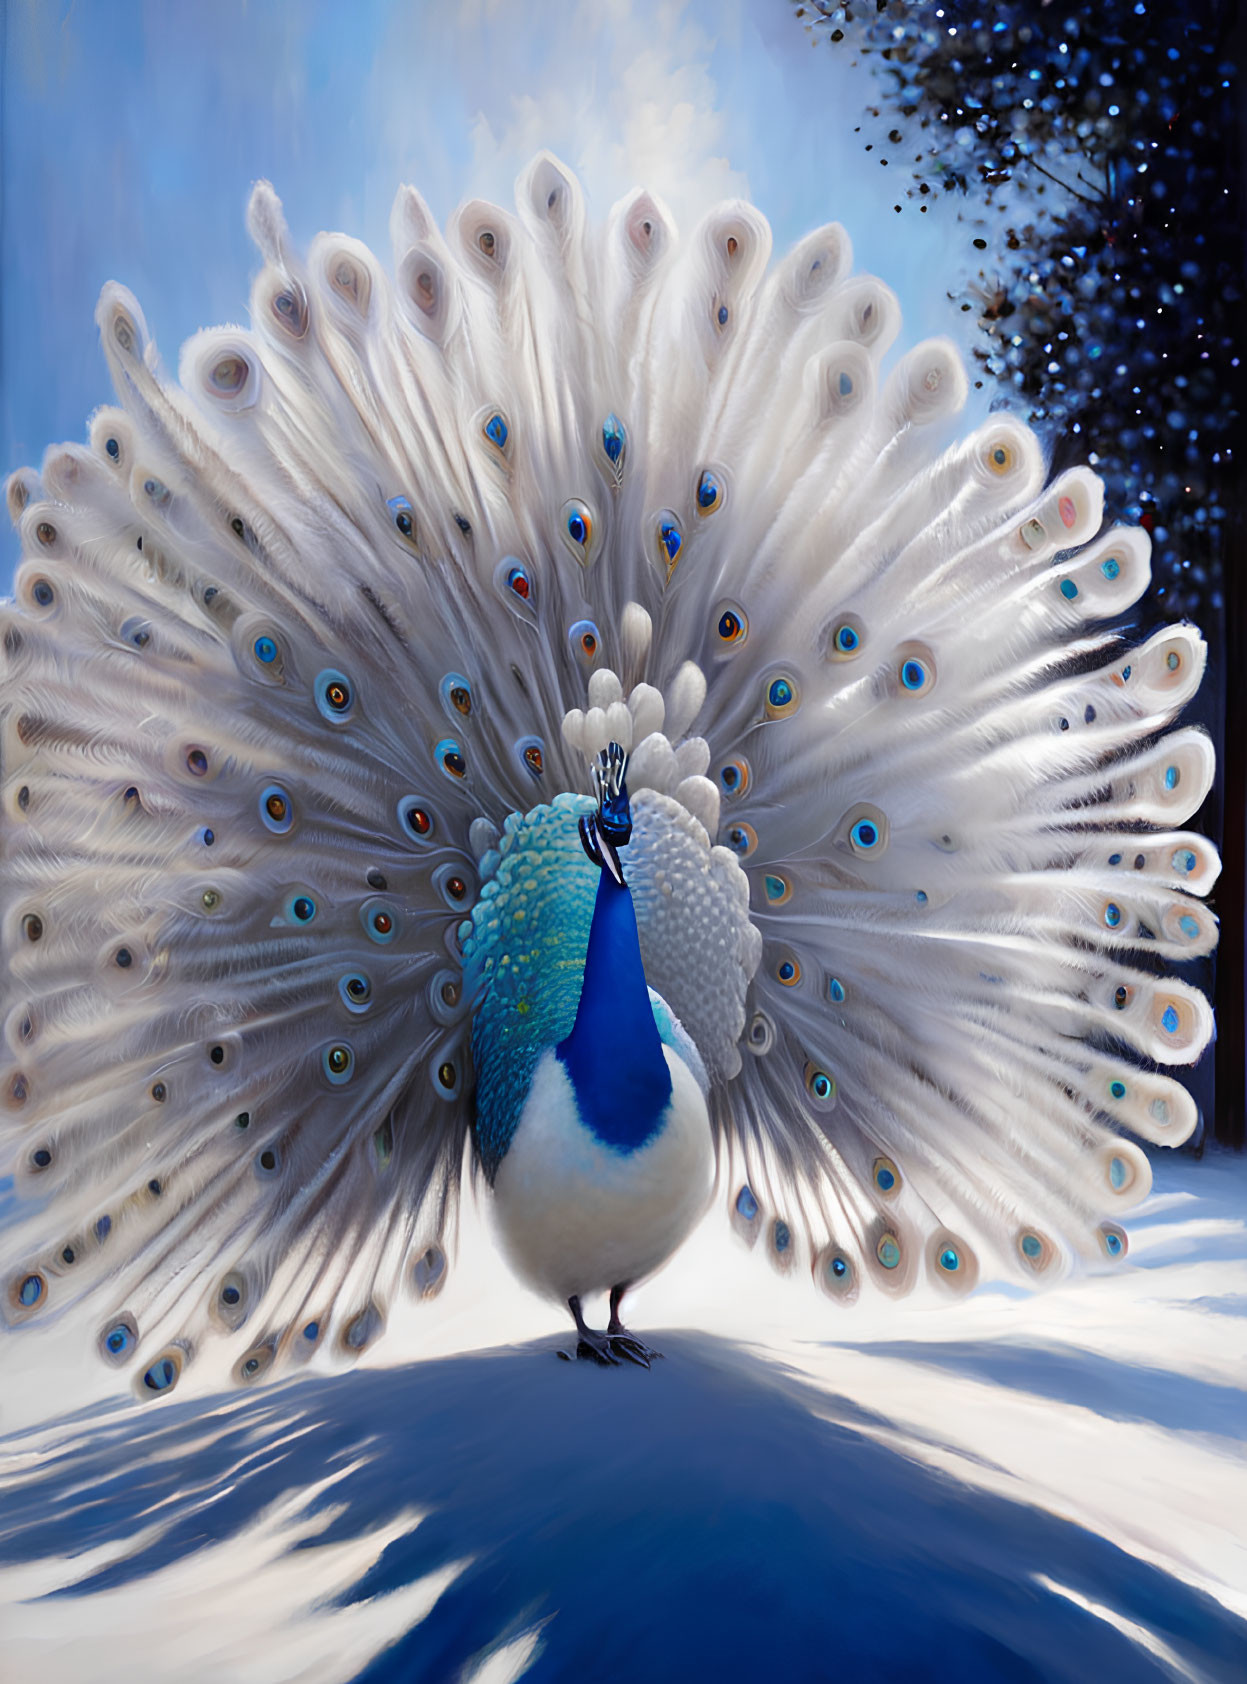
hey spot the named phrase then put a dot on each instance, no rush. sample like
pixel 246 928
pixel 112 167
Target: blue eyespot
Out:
pixel 949 1260
pixel 735 776
pixel 118 1340
pixel 746 1204
pixel 721 315
pixel 404 520
pixel 380 922
pixel 781 1237
pixel 820 1086
pixel 835 989
pixel 846 640
pixel 671 538
pixel 497 431
pixel 1112 1239
pixel 614 439
pixel 1184 861
pixel 302 909
pixel 913 675
pixel 1189 926
pixel 335 695
pixel 709 493
pixel 162 1375
pixel 415 819
pixel 30 1290
pixel 886 1175
pixel 355 991
pixel 1117 1089
pixel 788 971
pixel 449 756
pixel 1069 590
pixel 1170 1021
pixel 780 693
pixel 1118 1173
pixel 579 524
pixel 1110 567
pixel 1112 915
pixel 265 650
pixel 777 889
pixel 1031 1246
pixel 888 1251
pixel 742 839
pixel 276 809
pixel 839 1267
pixel 338 1063
pixel 732 626
pixel 1172 777
pixel 864 835
pixel 456 694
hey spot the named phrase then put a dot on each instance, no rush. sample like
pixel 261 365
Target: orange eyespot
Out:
pixel 732 626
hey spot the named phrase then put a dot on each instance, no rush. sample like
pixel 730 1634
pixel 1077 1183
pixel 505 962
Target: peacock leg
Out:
pixel 591 1346
pixel 636 1349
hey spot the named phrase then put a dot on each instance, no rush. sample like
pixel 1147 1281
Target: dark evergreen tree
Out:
pixel 1095 155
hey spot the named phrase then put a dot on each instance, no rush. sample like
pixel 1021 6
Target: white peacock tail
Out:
pixel 292 638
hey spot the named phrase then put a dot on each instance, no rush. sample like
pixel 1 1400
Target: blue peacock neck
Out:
pixel 614 1054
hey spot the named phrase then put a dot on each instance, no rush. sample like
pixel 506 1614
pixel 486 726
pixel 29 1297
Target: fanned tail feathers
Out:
pixel 292 638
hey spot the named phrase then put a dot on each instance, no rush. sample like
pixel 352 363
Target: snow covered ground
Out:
pixel 1037 1488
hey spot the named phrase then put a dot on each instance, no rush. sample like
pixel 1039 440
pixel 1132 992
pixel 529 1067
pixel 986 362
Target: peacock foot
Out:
pixel 608 1349
pixel 636 1350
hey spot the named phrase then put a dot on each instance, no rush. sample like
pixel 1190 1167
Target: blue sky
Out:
pixel 132 133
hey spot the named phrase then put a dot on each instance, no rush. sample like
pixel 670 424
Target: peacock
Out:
pixel 560 719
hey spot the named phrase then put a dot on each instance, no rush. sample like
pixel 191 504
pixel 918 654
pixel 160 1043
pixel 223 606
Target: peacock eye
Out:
pixel 519 582
pixel 788 971
pixel 846 640
pixel 415 819
pixel 355 991
pixel 579 524
pixel 276 810
pixel 915 669
pixel 782 697
pixel 404 520
pixel 820 1086
pixel 865 835
pixel 456 694
pixel 380 922
pixel 496 430
pixel 265 650
pixel 290 308
pixel 742 839
pixel 449 756
pixel 614 442
pixel 735 776
pixel 709 493
pixel 118 1339
pixel 886 1176
pixel 732 626
pixel 999 457
pixel 43 593
pixel 670 541
pixel 585 641
pixel 334 696
pixel 338 1063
